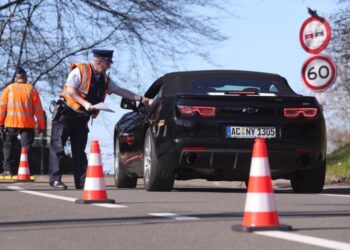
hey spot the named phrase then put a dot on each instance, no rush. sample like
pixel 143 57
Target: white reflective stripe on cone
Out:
pixel 22 170
pixel 95 159
pixel 94 183
pixel 260 167
pixel 260 202
pixel 24 157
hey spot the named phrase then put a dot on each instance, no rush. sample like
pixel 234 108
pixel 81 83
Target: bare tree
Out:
pixel 337 108
pixel 42 35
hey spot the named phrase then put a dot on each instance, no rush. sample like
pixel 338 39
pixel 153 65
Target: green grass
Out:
pixel 338 165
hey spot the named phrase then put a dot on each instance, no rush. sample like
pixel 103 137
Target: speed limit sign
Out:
pixel 318 73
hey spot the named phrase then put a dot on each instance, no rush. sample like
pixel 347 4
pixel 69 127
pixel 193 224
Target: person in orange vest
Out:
pixel 20 105
pixel 87 84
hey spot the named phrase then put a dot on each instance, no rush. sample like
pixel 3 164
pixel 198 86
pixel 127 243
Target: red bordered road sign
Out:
pixel 315 34
pixel 318 73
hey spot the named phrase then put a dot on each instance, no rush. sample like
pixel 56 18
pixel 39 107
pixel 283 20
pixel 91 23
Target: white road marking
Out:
pixel 174 216
pixel 108 205
pixel 338 195
pixel 275 234
pixel 58 197
pixel 332 244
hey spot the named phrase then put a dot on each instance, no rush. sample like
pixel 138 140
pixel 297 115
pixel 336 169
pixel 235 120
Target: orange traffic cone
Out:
pixel 94 188
pixel 23 174
pixel 260 211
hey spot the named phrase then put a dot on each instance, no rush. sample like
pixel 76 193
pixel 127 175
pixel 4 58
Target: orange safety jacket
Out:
pixel 19 103
pixel 83 90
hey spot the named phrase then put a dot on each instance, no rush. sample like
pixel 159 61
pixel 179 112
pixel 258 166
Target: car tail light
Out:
pixel 200 110
pixel 128 139
pixel 296 112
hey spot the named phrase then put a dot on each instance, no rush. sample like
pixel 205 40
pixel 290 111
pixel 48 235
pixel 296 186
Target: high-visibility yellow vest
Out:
pixel 83 90
pixel 20 102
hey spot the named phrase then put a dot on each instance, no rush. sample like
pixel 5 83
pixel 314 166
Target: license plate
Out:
pixel 250 132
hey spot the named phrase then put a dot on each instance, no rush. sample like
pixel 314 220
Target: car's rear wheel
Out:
pixel 155 177
pixel 310 181
pixel 121 177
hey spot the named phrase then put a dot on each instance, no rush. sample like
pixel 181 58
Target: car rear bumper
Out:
pixel 231 160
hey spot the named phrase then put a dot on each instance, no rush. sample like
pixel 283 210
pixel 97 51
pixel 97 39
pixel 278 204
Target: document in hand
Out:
pixel 102 106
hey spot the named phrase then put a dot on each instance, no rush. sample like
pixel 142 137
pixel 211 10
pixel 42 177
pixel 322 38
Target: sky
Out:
pixel 263 35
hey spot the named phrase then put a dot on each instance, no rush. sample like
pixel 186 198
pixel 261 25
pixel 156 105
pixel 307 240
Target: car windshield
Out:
pixel 223 85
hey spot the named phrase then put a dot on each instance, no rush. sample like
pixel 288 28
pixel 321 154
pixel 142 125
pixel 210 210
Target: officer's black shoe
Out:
pixel 58 185
pixel 7 172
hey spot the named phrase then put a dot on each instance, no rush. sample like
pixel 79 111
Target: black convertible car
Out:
pixel 202 124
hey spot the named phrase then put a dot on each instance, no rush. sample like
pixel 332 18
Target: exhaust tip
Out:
pixel 191 158
pixel 303 161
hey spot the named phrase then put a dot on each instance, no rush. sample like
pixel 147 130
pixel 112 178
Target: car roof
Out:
pixel 174 81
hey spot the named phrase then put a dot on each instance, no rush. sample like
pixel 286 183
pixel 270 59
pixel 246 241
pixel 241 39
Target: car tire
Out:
pixel 121 177
pixel 310 181
pixel 156 178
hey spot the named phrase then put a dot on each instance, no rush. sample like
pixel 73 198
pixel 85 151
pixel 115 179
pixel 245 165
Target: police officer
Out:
pixel 87 84
pixel 20 102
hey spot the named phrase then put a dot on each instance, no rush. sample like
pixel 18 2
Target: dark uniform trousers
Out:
pixel 9 147
pixel 77 130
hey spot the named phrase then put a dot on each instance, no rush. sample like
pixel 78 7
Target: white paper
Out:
pixel 102 106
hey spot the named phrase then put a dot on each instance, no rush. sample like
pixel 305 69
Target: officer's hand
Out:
pixel 88 106
pixel 147 101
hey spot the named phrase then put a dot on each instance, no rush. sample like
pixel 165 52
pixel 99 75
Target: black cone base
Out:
pixel 80 201
pixel 280 227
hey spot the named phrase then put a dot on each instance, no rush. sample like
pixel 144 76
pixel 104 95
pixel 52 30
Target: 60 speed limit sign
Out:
pixel 318 73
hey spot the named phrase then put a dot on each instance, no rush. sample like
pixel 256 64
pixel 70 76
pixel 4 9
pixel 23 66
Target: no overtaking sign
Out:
pixel 315 34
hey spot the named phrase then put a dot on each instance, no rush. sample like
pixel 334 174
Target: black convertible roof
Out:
pixel 182 80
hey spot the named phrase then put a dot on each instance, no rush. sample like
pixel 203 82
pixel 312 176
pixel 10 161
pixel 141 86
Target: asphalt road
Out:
pixel 195 215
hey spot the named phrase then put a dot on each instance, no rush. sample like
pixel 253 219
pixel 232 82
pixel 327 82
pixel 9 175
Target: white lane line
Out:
pixel 19 189
pixel 58 197
pixel 332 244
pixel 174 216
pixel 108 205
pixel 338 195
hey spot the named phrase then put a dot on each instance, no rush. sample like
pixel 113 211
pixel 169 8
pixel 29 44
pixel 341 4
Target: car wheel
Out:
pixel 310 181
pixel 121 178
pixel 155 177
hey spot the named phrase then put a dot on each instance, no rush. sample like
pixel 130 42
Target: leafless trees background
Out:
pixel 337 108
pixel 42 35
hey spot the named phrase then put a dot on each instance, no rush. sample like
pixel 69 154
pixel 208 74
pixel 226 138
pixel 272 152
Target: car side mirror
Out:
pixel 128 104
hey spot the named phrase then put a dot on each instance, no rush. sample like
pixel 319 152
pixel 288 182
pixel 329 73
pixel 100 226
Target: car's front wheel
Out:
pixel 311 181
pixel 156 178
pixel 121 177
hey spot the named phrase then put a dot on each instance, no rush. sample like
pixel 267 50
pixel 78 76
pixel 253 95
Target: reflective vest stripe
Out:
pixel 30 103
pixel 10 98
pixel 83 88
pixel 14 113
pixel 20 105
